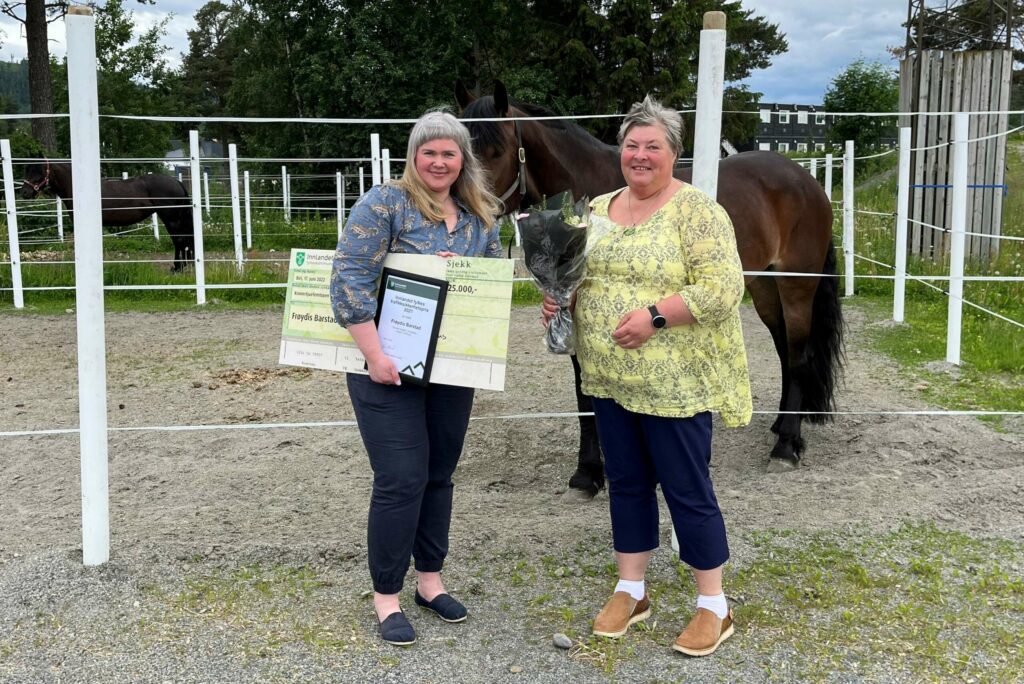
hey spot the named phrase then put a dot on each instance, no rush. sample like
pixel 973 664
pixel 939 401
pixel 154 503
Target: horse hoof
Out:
pixel 584 487
pixel 581 494
pixel 782 465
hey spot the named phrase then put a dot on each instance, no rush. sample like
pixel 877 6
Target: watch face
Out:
pixel 657 320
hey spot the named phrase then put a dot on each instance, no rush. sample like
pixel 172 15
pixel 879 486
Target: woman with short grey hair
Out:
pixel 650 112
pixel 659 344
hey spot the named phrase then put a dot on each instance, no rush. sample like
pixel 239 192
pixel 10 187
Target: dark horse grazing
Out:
pixel 126 202
pixel 783 222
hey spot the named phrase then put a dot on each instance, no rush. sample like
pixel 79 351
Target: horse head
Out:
pixel 37 179
pixel 498 144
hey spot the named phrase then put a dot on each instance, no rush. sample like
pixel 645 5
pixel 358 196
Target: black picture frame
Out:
pixel 408 374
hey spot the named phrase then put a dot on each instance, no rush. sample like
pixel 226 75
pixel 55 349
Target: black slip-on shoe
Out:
pixel 397 631
pixel 447 608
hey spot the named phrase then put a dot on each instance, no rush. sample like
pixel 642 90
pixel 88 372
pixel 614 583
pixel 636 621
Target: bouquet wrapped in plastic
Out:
pixel 554 236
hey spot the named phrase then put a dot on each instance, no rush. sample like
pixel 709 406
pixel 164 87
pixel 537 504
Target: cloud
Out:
pixel 823 39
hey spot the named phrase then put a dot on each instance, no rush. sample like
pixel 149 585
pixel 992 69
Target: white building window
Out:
pixel 783 116
pixel 766 116
pixel 819 119
pixel 801 147
pixel 819 147
pixel 764 147
pixel 801 117
pixel 783 147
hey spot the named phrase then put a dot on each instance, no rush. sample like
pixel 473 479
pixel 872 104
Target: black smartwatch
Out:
pixel 657 320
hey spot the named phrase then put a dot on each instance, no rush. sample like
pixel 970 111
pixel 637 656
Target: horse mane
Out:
pixel 488 133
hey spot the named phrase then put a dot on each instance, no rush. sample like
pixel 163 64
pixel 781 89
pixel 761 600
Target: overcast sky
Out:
pixel 824 37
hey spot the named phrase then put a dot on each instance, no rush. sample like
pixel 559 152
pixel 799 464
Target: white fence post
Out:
pixel 707 132
pixel 899 294
pixel 961 121
pixel 236 210
pixel 60 219
pixel 197 216
pixel 848 216
pixel 92 365
pixel 375 158
pixel 206 191
pixel 362 181
pixel 828 176
pixel 385 163
pixel 339 186
pixel 814 169
pixel 248 214
pixel 288 193
pixel 284 193
pixel 12 224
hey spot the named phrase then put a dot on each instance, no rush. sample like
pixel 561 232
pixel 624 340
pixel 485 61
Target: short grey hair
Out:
pixel 650 112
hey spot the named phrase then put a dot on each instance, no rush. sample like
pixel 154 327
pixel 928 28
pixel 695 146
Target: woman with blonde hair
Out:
pixel 413 435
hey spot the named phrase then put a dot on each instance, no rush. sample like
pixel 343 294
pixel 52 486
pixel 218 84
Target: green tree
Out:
pixel 862 87
pixel 604 56
pixel 35 15
pixel 395 58
pixel 200 87
pixel 131 80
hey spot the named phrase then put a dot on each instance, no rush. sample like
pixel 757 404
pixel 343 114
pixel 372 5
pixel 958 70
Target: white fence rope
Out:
pixel 512 416
pixel 875 156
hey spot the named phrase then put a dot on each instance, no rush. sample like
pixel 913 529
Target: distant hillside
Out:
pixel 14 84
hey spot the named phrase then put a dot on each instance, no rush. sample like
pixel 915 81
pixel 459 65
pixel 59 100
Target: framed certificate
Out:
pixel 408 319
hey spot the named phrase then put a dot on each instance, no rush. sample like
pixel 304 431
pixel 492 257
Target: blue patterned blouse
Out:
pixel 385 220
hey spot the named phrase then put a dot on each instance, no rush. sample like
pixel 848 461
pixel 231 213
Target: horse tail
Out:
pixel 825 350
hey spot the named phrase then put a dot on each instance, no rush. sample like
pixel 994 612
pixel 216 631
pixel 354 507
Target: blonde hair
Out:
pixel 650 112
pixel 471 186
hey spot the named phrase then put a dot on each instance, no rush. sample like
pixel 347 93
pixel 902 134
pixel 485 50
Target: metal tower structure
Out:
pixel 959 25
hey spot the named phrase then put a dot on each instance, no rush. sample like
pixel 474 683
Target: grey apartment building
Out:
pixel 798 128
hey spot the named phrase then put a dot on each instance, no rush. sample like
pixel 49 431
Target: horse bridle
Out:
pixel 520 181
pixel 41 185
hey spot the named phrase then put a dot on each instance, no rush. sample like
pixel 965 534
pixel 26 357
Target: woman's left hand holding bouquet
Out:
pixel 549 307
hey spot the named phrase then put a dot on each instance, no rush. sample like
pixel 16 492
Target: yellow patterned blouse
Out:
pixel 687 247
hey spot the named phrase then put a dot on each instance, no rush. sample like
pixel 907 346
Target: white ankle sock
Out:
pixel 716 604
pixel 634 588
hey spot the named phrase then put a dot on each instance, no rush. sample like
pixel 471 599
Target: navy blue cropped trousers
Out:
pixel 642 451
pixel 413 436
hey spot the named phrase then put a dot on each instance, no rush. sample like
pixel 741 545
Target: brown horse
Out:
pixel 126 202
pixel 783 222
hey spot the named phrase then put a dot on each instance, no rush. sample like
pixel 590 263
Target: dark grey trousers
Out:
pixel 414 437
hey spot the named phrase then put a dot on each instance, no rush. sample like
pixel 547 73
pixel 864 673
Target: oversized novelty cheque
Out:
pixel 472 343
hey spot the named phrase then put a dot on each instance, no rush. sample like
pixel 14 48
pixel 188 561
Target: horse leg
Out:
pixel 179 253
pixel 765 296
pixel 180 237
pixel 796 295
pixel 589 475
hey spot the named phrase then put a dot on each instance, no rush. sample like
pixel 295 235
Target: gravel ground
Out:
pixel 238 555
